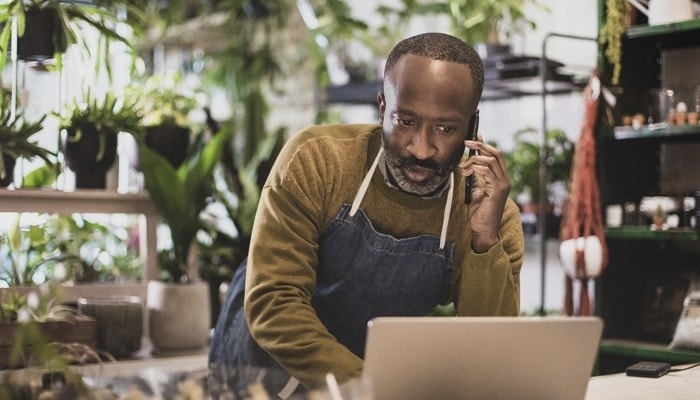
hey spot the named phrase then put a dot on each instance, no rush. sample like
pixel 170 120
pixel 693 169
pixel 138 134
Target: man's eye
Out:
pixel 445 129
pixel 405 121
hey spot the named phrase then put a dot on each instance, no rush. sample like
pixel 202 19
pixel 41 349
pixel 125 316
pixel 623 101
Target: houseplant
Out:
pixel 524 165
pixel 180 195
pixel 179 305
pixel 57 28
pixel 32 325
pixel 63 248
pixel 91 127
pixel 610 35
pixel 15 143
pixel 486 21
pixel 165 101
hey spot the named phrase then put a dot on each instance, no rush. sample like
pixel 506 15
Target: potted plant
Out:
pixel 165 102
pixel 524 166
pixel 15 143
pixel 611 32
pixel 62 248
pixel 91 127
pixel 487 21
pixel 45 28
pixel 180 195
pixel 34 323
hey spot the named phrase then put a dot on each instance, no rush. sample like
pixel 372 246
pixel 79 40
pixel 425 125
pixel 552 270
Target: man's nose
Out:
pixel 421 145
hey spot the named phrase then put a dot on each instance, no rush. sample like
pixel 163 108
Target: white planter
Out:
pixel 179 315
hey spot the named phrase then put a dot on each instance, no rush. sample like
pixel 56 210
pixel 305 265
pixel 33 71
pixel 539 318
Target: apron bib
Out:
pixel 361 274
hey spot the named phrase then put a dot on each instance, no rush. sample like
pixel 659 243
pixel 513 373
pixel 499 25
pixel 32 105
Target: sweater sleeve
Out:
pixel 490 282
pixel 282 271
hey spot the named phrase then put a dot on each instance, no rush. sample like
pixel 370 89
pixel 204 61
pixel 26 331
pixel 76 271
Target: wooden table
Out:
pixel 682 385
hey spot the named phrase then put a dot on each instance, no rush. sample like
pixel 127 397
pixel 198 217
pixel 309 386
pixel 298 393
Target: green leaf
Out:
pixel 14 235
pixel 37 235
pixel 165 188
pixel 41 177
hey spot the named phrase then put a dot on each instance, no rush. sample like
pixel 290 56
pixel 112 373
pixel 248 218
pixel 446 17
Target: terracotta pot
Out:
pixel 88 158
pixel 179 315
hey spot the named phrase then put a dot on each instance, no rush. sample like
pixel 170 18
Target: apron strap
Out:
pixel 365 183
pixel 448 209
pixel 368 179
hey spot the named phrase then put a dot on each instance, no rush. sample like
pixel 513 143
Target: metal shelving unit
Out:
pixel 542 217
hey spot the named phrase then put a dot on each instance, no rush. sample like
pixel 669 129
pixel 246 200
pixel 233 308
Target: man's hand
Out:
pixel 489 192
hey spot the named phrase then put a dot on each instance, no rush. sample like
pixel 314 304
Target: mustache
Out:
pixel 429 163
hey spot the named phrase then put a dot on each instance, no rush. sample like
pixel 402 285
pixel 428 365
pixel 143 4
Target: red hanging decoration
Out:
pixel 583 251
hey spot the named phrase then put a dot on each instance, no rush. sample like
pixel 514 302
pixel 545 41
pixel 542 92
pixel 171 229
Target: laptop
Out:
pixel 481 357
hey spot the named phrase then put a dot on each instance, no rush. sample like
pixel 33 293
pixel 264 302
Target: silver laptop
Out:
pixel 481 357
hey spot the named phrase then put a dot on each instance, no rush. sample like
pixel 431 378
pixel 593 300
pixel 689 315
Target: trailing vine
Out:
pixel 611 33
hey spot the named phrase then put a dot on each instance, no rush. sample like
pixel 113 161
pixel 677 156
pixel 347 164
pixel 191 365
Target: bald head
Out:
pixel 440 46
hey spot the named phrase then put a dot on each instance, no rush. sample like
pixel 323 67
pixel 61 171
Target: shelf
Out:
pixel 661 130
pixel 647 351
pixel 83 201
pixel 494 89
pixel 643 31
pixel 645 233
pixel 354 93
pixel 506 76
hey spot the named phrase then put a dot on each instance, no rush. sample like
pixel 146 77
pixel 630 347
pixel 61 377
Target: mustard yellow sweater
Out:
pixel 319 169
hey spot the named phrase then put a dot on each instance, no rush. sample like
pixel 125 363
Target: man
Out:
pixel 357 221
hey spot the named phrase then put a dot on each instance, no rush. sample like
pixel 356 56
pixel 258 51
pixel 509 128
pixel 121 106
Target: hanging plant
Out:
pixel 611 33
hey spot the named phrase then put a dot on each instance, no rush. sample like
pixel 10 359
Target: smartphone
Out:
pixel 648 369
pixel 473 129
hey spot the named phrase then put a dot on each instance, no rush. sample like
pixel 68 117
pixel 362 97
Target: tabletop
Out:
pixel 681 385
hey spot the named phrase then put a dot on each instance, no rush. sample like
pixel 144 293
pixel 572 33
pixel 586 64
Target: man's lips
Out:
pixel 417 174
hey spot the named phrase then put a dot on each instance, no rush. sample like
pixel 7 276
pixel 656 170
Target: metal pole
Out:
pixel 541 218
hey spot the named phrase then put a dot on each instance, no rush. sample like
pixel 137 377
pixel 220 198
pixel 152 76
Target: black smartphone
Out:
pixel 648 369
pixel 473 129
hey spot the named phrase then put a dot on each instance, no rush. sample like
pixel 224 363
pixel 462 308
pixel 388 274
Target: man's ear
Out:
pixel 381 103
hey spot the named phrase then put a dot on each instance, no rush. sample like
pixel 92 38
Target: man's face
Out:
pixel 425 110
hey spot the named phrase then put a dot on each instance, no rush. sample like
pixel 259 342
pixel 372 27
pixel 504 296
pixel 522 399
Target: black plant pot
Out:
pixel 9 170
pixel 88 158
pixel 170 141
pixel 37 44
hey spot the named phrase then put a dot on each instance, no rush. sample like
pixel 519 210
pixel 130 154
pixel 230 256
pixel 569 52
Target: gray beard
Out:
pixel 426 188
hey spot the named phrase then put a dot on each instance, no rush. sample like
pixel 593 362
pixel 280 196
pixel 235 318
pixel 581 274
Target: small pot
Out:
pixel 9 170
pixel 37 42
pixel 119 322
pixel 179 316
pixel 170 141
pixel 88 158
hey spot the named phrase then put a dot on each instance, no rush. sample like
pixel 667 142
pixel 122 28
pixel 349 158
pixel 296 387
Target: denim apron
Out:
pixel 361 274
